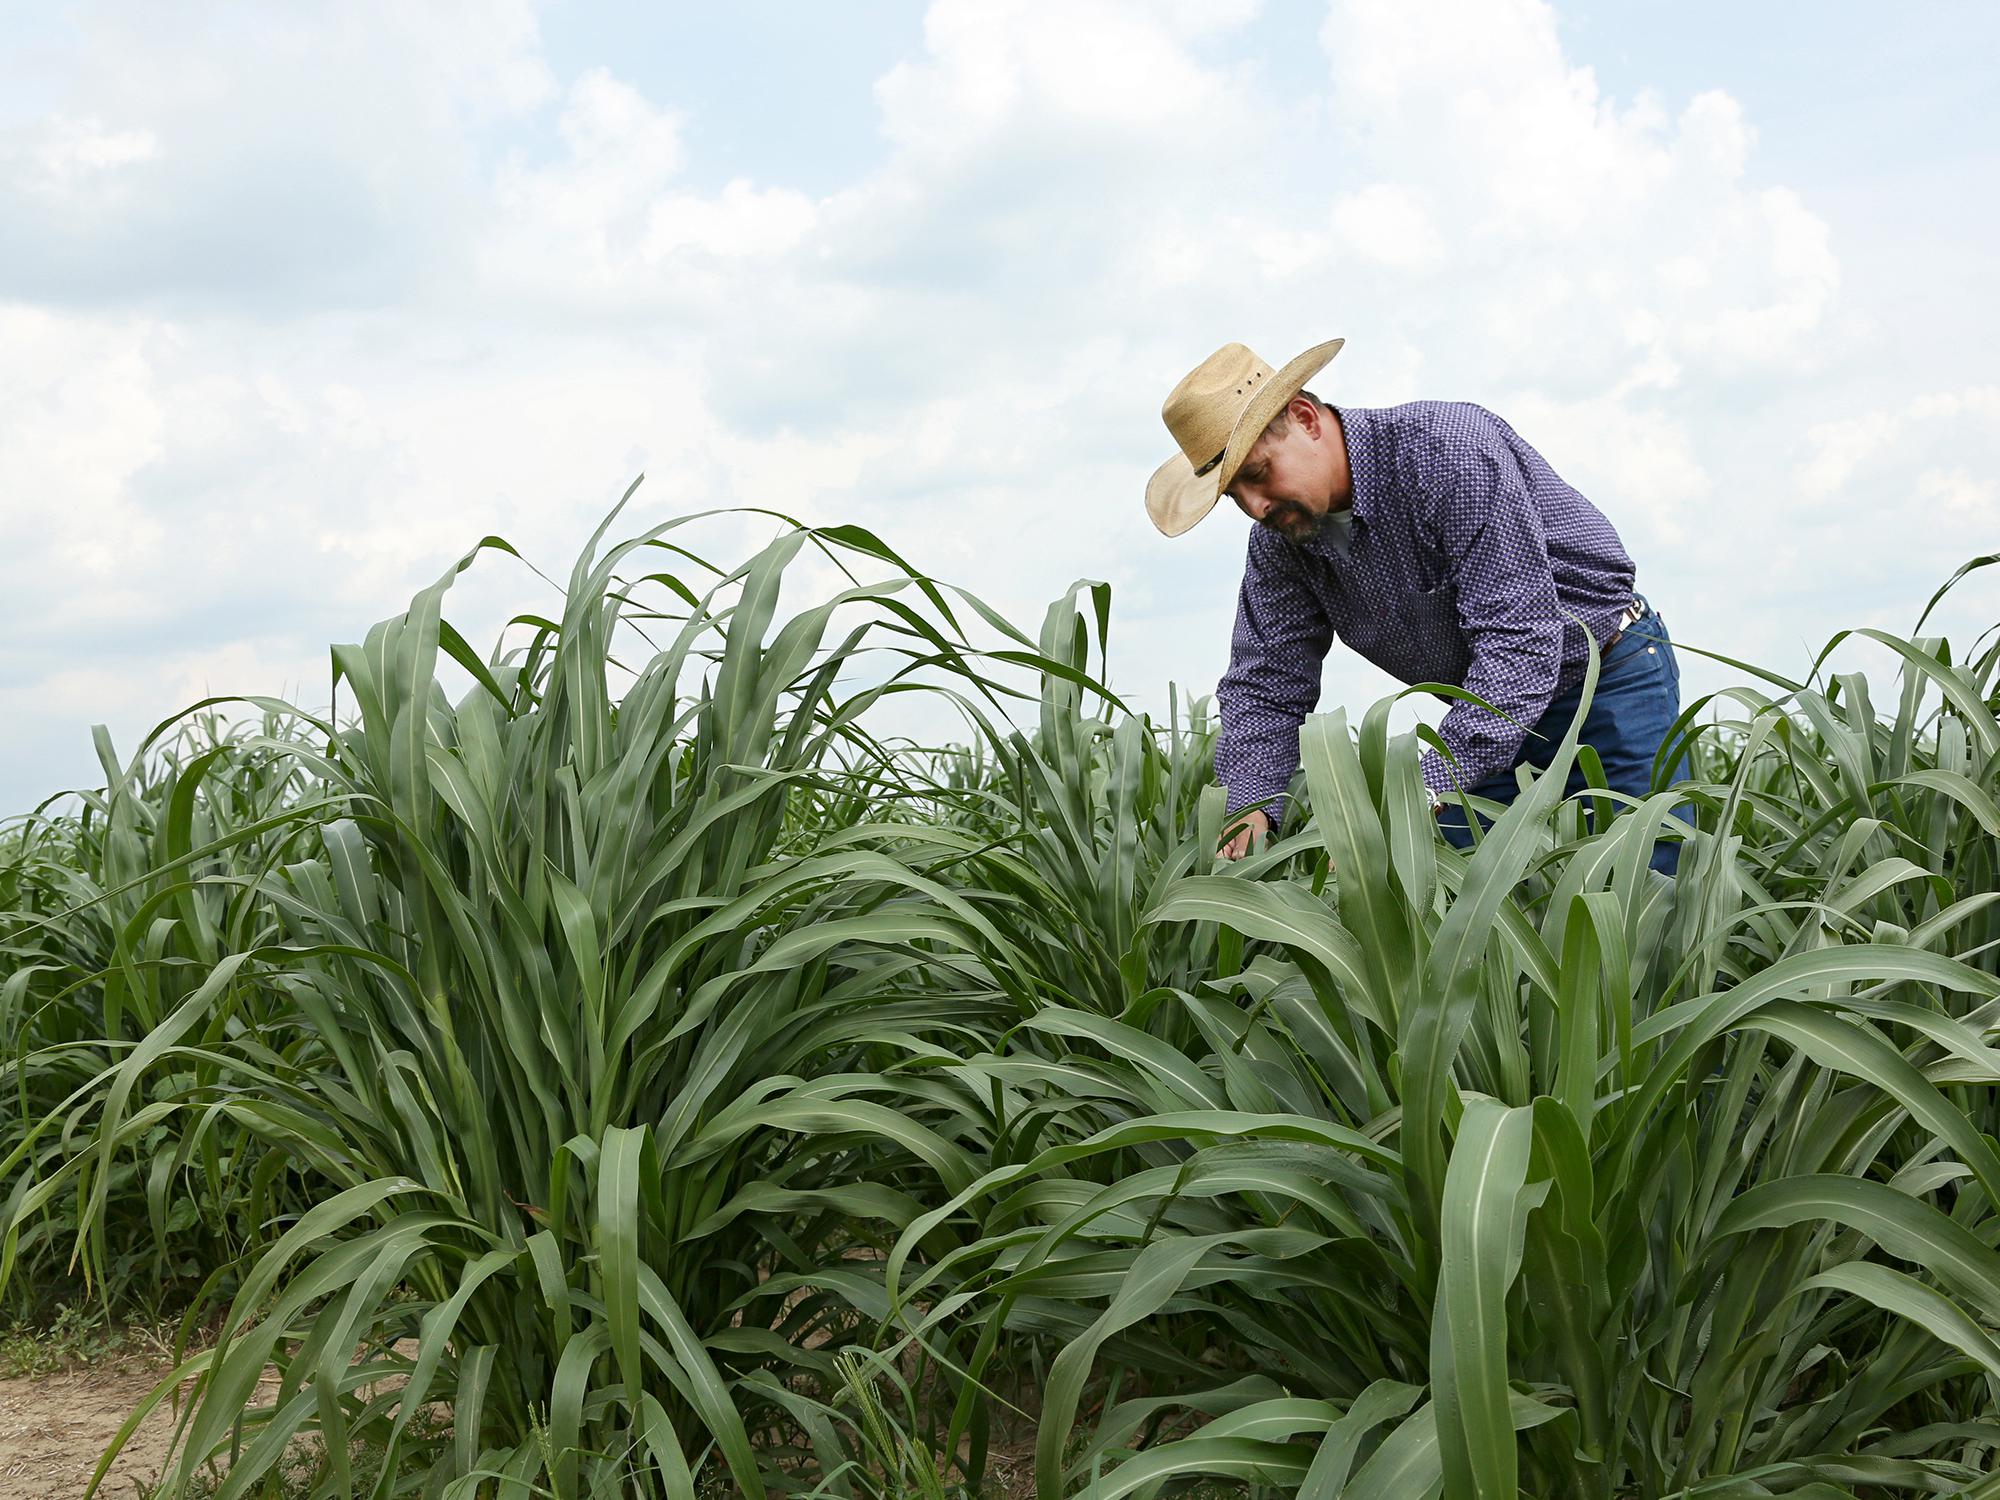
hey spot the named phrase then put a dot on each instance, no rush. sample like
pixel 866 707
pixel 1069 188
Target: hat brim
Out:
pixel 1177 497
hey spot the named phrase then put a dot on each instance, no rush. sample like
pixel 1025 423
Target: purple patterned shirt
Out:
pixel 1464 551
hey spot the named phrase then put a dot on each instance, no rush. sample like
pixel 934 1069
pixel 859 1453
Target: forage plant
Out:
pixel 116 906
pixel 594 1071
pixel 640 1074
pixel 1532 1170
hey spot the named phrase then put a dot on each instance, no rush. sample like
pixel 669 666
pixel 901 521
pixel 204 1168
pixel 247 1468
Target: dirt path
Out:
pixel 54 1428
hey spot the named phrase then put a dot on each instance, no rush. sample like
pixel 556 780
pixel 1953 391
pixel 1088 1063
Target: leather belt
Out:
pixel 1636 611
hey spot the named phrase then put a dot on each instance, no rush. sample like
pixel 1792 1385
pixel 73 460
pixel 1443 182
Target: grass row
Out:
pixel 639 1077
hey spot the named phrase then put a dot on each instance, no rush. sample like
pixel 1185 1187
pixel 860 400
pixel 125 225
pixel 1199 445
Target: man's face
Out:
pixel 1288 482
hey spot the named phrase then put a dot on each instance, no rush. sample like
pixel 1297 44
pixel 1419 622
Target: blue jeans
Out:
pixel 1638 698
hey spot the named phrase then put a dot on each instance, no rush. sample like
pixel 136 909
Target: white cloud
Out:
pixel 604 220
pixel 1641 464
pixel 1875 508
pixel 1900 437
pixel 79 417
pixel 1389 224
pixel 283 157
pixel 1960 497
pixel 64 153
pixel 1563 213
pixel 1839 447
pixel 379 281
pixel 1110 68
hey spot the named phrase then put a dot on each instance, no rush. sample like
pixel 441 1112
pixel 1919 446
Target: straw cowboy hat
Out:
pixel 1216 414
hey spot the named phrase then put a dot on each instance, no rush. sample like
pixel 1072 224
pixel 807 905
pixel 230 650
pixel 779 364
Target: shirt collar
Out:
pixel 1358 424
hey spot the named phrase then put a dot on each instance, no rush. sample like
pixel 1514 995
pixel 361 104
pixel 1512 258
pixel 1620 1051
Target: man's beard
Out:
pixel 1294 522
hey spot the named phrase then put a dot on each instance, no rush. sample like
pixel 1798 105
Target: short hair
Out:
pixel 1281 423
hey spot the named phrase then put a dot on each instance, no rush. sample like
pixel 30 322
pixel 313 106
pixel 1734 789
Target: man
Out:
pixel 1434 541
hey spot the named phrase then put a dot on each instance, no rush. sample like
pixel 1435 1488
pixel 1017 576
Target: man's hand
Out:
pixel 1254 829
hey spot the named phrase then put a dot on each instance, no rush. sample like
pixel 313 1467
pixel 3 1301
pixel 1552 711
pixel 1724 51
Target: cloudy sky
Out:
pixel 298 301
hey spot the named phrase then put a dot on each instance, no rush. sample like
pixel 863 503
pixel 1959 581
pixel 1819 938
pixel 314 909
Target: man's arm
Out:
pixel 1491 534
pixel 1280 640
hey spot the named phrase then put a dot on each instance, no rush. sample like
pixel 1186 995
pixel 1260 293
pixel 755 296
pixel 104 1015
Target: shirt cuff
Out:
pixel 1440 778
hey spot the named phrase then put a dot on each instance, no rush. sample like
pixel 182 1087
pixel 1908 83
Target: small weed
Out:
pixel 76 1335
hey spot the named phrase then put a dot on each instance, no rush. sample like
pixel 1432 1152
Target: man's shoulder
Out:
pixel 1426 424
pixel 1422 448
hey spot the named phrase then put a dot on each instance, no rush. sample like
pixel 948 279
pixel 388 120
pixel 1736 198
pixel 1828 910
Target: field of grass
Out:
pixel 639 1077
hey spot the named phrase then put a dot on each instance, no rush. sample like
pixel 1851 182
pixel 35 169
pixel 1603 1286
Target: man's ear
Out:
pixel 1305 411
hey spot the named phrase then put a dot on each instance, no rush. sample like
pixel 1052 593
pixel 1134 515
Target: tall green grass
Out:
pixel 110 916
pixel 646 1062
pixel 1532 1169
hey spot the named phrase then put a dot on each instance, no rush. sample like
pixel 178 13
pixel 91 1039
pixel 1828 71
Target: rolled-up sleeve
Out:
pixel 1281 639
pixel 1490 532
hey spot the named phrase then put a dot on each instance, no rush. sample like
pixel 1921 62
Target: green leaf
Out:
pixel 1484 1217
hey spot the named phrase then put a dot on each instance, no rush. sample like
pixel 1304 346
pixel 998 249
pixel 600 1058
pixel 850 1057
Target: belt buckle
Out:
pixel 1633 614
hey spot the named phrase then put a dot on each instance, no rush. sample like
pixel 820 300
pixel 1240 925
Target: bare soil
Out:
pixel 55 1428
